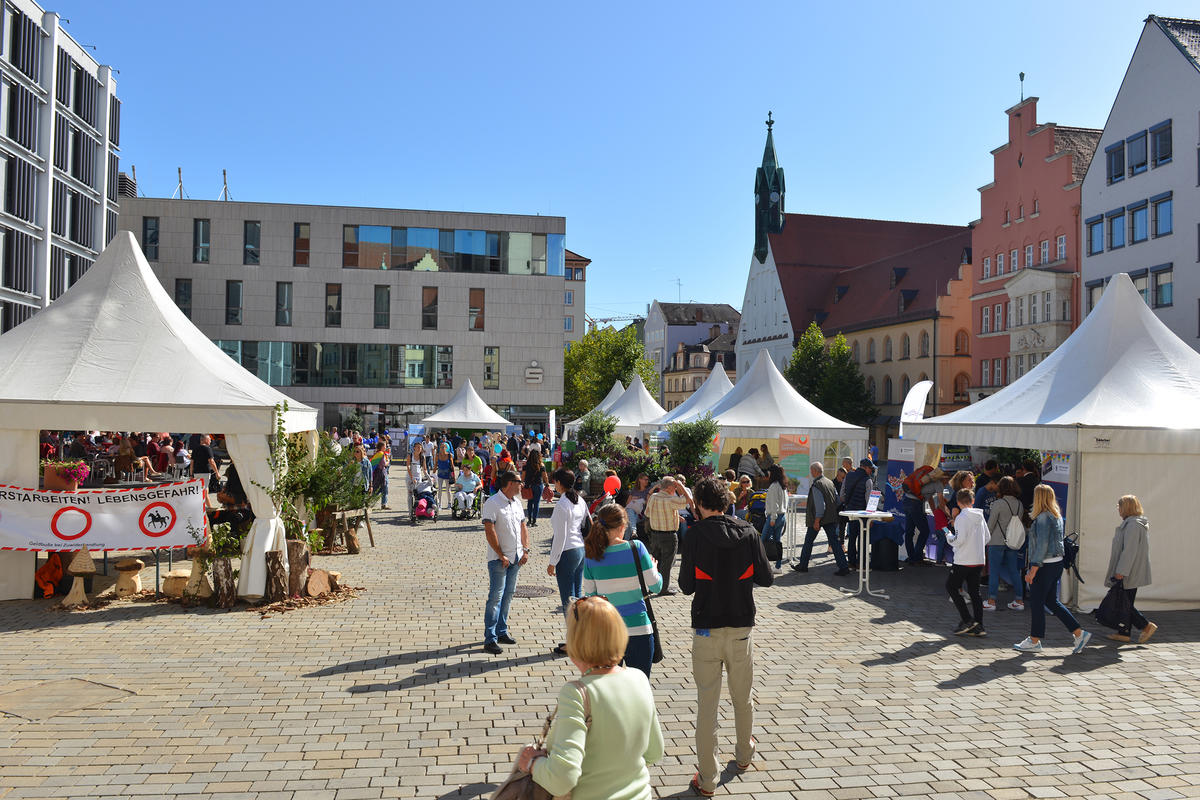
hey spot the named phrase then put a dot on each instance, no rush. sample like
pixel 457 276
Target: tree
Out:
pixel 691 446
pixel 842 391
pixel 602 357
pixel 596 431
pixel 806 370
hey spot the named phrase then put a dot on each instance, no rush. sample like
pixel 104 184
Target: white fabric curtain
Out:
pixel 18 467
pixel 249 453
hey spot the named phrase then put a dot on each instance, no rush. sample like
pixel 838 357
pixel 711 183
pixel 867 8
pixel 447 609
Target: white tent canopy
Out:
pixel 614 394
pixel 715 387
pixel 1122 396
pixel 636 409
pixel 115 353
pixel 466 409
pixel 763 403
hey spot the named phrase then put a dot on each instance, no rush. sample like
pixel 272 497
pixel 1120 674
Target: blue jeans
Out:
pixel 914 518
pixel 501 585
pixel 639 652
pixel 569 574
pixel 384 491
pixel 1043 595
pixel 1002 563
pixel 831 533
pixel 941 547
pixel 534 503
pixel 773 530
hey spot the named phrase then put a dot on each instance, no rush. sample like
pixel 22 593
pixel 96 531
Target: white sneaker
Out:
pixel 1017 605
pixel 776 570
pixel 989 605
pixel 1028 645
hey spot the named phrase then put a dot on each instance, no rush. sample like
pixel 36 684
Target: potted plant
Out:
pixel 64 475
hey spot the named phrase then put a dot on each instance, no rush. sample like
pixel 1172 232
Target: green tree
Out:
pixel 842 392
pixel 691 445
pixel 806 370
pixel 602 357
pixel 596 431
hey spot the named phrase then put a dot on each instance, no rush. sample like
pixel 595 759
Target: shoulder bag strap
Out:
pixel 637 562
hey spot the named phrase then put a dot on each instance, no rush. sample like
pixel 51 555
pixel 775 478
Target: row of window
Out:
pixel 1156 286
pixel 1134 223
pixel 905 385
pixel 1060 254
pixel 383 247
pixel 76 89
pixel 681 384
pixel 1135 154
pixel 1037 209
pixel 1011 313
pixel 414 366
pixel 905 348
pixel 13 314
pixel 992 371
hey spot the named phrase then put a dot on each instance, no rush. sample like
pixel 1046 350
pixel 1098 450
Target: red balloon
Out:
pixel 612 484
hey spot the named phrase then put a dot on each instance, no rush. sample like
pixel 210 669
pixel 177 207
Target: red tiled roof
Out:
pixel 572 256
pixel 812 249
pixel 922 274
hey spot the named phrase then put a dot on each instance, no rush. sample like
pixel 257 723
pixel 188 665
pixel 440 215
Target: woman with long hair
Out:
pixel 1003 561
pixel 610 568
pixel 126 456
pixel 776 511
pixel 1045 542
pixel 445 473
pixel 1130 564
pixel 566 547
pixel 535 481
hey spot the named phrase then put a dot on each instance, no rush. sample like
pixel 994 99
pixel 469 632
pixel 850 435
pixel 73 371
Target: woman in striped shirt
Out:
pixel 610 568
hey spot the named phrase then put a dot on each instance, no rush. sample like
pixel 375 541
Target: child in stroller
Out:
pixel 423 500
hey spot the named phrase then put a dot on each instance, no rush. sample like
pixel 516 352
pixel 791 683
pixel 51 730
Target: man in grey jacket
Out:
pixel 821 513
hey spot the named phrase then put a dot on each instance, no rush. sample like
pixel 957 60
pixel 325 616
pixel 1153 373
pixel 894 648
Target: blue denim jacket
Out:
pixel 1045 539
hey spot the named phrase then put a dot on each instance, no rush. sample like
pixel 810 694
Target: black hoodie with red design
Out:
pixel 723 557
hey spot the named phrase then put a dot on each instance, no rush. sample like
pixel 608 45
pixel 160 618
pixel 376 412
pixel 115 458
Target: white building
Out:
pixel 59 142
pixel 1140 197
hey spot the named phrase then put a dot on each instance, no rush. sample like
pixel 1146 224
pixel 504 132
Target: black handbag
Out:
pixel 658 650
pixel 1114 608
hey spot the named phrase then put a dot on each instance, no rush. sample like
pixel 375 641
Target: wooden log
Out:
pixel 299 558
pixel 76 597
pixel 277 578
pixel 367 519
pixel 352 545
pixel 129 578
pixel 226 589
pixel 318 583
pixel 197 587
pixel 175 582
pixel 335 581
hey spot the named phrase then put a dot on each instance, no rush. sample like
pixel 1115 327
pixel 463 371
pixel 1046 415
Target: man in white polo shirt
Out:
pixel 508 548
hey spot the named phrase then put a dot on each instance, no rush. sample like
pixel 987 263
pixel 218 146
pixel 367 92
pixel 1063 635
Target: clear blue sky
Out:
pixel 641 123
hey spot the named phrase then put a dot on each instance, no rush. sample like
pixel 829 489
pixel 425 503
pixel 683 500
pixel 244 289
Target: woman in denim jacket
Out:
pixel 1046 551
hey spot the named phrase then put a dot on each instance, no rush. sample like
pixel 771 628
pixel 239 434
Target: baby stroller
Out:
pixel 757 511
pixel 473 508
pixel 424 502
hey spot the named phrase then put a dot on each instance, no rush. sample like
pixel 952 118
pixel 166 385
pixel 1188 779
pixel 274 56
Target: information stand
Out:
pixel 865 519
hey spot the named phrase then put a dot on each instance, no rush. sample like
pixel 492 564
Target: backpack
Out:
pixel 913 482
pixel 1014 533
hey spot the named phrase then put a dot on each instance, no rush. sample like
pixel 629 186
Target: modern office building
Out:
pixel 382 312
pixel 59 139
pixel 1141 196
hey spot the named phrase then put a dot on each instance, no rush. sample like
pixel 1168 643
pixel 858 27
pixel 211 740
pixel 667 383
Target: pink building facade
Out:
pixel 1026 248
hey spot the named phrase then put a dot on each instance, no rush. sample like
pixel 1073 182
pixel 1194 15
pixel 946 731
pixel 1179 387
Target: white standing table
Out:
pixel 865 519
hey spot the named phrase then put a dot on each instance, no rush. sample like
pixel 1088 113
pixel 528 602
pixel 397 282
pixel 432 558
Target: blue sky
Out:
pixel 641 123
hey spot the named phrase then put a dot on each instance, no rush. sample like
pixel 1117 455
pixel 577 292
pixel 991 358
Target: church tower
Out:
pixel 768 197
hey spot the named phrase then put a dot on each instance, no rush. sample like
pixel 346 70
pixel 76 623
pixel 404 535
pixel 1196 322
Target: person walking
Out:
pixel 568 522
pixel 776 511
pixel 610 568
pixel 821 513
pixel 445 474
pixel 969 540
pixel 662 515
pixel 1130 564
pixel 508 550
pixel 535 482
pixel 856 490
pixel 1003 561
pixel 606 731
pixel 723 560
pixel 1045 543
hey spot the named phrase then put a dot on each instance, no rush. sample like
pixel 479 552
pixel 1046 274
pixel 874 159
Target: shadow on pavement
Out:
pixel 1013 663
pixel 471 790
pixel 27 615
pixel 444 672
pixel 382 662
pixel 914 650
pixel 805 606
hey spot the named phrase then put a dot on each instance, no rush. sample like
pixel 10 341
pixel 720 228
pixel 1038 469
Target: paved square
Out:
pixel 390 695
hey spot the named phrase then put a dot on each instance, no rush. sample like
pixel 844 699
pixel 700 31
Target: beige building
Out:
pixel 691 364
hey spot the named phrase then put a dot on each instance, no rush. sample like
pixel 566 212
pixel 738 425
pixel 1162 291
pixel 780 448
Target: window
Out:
pixel 905 386
pixel 333 305
pixel 1045 252
pixel 854 351
pixel 962 383
pixel 183 296
pixel 1116 231
pixel 1136 153
pixel 887 389
pixel 568 324
pixel 1037 207
pixel 283 303
pixel 569 297
pixel 1046 307
pixel 870 350
pixel 301 238
pixel 1033 309
pixel 1163 288
pixel 150 238
pixel 383 306
pixel 1020 213
pixel 445 367
pixel 997 377
pixel 985 325
pixel 1066 311
pixel 985 373
pixel 987 267
pixel 905 346
pixel 1061 248
pixel 233 302
pixel 1033 360
pixel 1163 223
pixel 1160 143
pixel 1007 217
pixel 1115 161
pixel 1139 223
pixel 1000 263
pixel 1008 313
pixel 1028 256
pixel 962 343
pixel 1013 263
pixel 579 273
pixel 1095 231
pixel 924 344
pixel 1020 366
pixel 201 231
pixel 1141 283
pixel 251 242
pixel 429 308
pixel 491 367
pixel 1020 311
pixel 871 389
pixel 997 313
pixel 1094 290
pixel 475 309
pixel 887 348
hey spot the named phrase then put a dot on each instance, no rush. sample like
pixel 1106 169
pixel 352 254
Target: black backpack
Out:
pixel 1071 555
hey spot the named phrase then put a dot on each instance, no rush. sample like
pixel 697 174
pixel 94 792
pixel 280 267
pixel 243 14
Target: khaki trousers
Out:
pixel 731 649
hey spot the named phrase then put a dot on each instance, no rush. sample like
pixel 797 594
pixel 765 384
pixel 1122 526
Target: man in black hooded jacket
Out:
pixel 723 558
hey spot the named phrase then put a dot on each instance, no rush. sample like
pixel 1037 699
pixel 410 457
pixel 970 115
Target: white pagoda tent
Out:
pixel 714 388
pixel 614 394
pixel 635 410
pixel 466 409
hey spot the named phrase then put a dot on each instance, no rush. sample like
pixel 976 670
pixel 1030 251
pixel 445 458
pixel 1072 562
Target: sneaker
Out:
pixel 989 605
pixel 1147 632
pixel 1081 641
pixel 1028 645
pixel 493 648
pixel 506 639
pixel 695 784
pixel 799 568
pixel 977 630
pixel 964 627
pixel 776 570
pixel 753 749
pixel 1017 605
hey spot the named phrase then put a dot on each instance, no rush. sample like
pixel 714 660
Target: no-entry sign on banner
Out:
pixel 120 519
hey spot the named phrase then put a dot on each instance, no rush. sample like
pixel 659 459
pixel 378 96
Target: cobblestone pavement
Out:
pixel 390 695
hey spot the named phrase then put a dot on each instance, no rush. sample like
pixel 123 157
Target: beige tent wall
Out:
pixel 18 467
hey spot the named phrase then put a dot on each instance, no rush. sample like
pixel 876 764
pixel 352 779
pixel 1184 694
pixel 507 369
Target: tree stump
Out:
pixel 226 589
pixel 318 583
pixel 299 558
pixel 129 579
pixel 352 546
pixel 175 581
pixel 277 578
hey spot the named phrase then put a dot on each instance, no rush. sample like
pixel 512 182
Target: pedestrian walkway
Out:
pixel 390 694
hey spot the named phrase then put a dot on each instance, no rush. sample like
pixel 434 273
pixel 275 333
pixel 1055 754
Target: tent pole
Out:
pixel 1074 504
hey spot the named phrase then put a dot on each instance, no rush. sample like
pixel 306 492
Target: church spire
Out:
pixel 768 196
